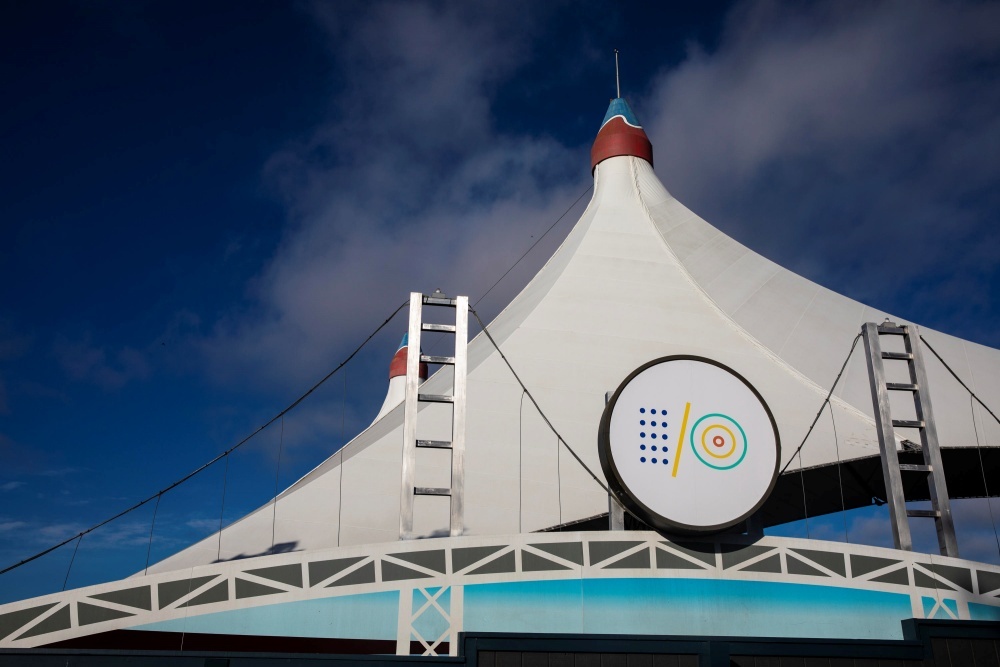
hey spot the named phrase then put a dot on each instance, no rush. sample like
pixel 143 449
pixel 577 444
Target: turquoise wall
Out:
pixel 685 607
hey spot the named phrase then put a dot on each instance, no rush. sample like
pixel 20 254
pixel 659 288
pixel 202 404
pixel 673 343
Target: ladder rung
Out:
pixel 435 398
pixel 438 301
pixel 435 444
pixel 430 491
pixel 905 356
pixel 892 330
pixel 900 386
pixel 907 423
pixel 914 467
pixel 930 514
pixel 450 328
pixel 432 359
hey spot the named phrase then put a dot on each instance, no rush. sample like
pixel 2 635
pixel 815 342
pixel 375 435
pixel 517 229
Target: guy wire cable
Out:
pixel 559 479
pixel 955 375
pixel 532 247
pixel 821 407
pixel 152 525
pixel 982 470
pixel 802 481
pixel 526 252
pixel 277 472
pixel 840 478
pixel 535 403
pixel 343 443
pixel 73 558
pixel 520 461
pixel 224 454
pixel 559 438
pixel 222 509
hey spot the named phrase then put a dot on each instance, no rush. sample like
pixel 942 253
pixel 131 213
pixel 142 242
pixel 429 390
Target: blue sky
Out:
pixel 206 207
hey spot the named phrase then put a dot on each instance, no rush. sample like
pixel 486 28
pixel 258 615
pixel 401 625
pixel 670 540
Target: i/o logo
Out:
pixel 717 440
pixel 677 429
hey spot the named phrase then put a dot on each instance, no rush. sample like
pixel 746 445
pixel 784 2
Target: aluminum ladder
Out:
pixel 413 398
pixel 892 469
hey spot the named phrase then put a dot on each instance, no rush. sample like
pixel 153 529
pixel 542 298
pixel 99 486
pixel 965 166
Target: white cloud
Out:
pixel 7 526
pixel 853 142
pixel 85 362
pixel 408 186
pixel 203 525
pixel 808 127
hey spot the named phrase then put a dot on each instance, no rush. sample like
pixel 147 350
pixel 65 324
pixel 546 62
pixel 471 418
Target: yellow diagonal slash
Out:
pixel 680 441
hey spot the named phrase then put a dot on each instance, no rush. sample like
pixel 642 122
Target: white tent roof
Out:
pixel 639 277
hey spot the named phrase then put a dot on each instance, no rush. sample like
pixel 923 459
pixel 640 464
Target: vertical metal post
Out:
pixel 616 513
pixel 944 523
pixel 886 439
pixel 458 416
pixel 410 416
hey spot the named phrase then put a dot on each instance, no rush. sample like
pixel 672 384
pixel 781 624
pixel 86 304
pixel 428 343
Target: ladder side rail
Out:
pixel 410 407
pixel 940 501
pixel 460 390
pixel 895 495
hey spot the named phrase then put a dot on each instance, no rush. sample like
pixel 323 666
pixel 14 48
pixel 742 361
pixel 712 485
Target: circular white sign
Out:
pixel 689 445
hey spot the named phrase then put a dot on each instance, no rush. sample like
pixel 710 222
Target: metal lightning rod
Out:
pixel 618 83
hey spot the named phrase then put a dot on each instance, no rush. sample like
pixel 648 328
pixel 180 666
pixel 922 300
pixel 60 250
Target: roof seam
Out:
pixel 719 276
pixel 739 328
pixel 791 331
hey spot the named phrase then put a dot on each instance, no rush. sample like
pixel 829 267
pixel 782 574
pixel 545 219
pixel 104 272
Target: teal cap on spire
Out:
pixel 619 107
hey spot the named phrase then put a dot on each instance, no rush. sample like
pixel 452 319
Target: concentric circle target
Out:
pixel 719 441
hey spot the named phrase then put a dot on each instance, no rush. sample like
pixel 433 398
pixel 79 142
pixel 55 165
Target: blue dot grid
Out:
pixel 653 435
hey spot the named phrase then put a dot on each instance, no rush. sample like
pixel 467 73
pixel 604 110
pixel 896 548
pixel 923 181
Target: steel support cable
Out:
pixel 551 426
pixel 277 472
pixel 222 509
pixel 802 482
pixel 218 458
pixel 559 438
pixel 343 441
pixel 520 460
pixel 525 254
pixel 72 558
pixel 559 478
pixel 822 406
pixel 840 478
pixel 955 375
pixel 436 344
pixel 152 525
pixel 982 470
pixel 979 448
pixel 590 472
